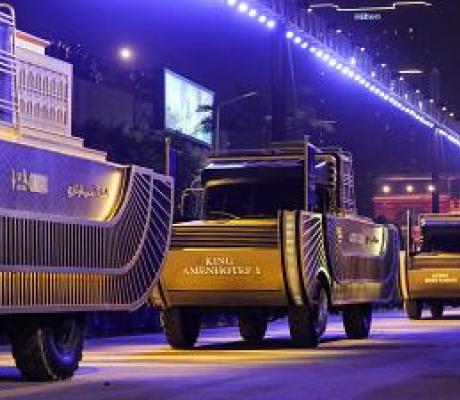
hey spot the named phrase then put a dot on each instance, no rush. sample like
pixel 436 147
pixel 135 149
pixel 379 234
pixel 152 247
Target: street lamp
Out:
pixel 218 108
pixel 125 53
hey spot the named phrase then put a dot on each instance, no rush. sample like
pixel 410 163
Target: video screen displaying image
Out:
pixel 188 107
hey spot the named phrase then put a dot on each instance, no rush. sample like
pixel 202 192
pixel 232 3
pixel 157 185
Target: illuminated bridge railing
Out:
pixel 311 34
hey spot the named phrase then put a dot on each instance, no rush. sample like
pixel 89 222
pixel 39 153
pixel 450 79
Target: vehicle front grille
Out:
pixel 225 236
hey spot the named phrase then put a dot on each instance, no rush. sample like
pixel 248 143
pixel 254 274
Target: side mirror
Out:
pixel 191 204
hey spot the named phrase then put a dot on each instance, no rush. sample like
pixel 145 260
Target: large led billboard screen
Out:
pixel 188 107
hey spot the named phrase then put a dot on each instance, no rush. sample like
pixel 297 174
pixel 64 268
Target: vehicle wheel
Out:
pixel 413 309
pixel 252 327
pixel 181 327
pixel 437 309
pixel 357 320
pixel 323 312
pixel 308 323
pixel 47 348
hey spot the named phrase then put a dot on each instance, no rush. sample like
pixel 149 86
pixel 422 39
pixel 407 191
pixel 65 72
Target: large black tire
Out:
pixel 357 321
pixel 47 348
pixel 308 323
pixel 253 327
pixel 181 327
pixel 437 309
pixel 413 309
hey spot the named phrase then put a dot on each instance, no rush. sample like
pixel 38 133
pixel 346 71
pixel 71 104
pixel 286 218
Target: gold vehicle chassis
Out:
pixel 62 263
pixel 431 276
pixel 278 262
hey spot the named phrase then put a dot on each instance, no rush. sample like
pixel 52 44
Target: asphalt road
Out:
pixel 401 360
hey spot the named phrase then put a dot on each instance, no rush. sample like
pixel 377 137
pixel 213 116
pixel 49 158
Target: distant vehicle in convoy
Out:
pixel 277 235
pixel 78 233
pixel 430 273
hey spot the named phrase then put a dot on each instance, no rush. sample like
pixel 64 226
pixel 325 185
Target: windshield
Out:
pixel 246 199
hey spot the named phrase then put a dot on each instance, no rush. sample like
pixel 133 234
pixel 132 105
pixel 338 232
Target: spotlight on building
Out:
pixel 386 189
pixel 409 189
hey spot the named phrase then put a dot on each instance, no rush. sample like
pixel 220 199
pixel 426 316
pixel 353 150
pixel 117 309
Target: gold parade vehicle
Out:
pixel 430 274
pixel 77 233
pixel 278 234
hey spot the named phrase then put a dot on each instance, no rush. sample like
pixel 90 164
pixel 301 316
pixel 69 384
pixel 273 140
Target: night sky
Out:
pixel 413 36
pixel 201 39
pixel 204 40
pixel 215 46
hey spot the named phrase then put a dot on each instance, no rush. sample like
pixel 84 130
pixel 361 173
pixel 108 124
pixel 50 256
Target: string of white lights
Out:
pixel 263 18
pixel 347 67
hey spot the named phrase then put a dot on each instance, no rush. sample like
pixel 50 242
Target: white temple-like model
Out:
pixel 42 94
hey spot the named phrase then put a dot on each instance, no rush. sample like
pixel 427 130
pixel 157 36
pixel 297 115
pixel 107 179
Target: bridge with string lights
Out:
pixel 298 24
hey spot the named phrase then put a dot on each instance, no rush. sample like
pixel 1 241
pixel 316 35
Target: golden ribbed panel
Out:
pixel 313 251
pixel 61 265
pixel 243 235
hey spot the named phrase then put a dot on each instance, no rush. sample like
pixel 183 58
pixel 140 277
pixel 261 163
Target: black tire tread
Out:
pixel 437 310
pixel 252 327
pixel 302 327
pixel 357 320
pixel 181 327
pixel 413 309
pixel 32 354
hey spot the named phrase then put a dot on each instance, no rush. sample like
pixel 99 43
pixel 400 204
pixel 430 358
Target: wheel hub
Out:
pixel 64 336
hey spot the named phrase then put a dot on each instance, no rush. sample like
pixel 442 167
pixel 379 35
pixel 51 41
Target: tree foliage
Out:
pixel 147 149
